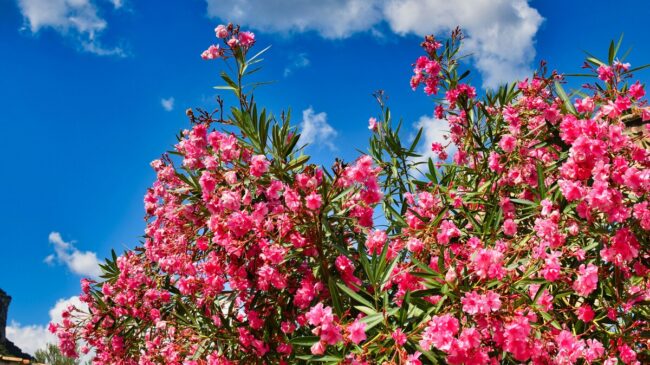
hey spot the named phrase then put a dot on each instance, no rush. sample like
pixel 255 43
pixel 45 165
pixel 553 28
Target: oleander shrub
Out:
pixel 525 241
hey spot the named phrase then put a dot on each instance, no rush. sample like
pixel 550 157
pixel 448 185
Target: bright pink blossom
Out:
pixel 507 143
pixel 213 52
pixel 357 331
pixel 221 31
pixel 587 280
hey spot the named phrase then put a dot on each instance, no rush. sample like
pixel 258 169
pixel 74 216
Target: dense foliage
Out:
pixel 530 246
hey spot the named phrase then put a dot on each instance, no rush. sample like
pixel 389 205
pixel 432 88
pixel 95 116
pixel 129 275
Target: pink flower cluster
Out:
pixel 229 240
pixel 546 225
pixel 233 38
pixel 426 70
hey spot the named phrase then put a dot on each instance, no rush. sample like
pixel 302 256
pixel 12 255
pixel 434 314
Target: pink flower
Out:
pixel 516 338
pixel 510 227
pixel 284 348
pixel 376 240
pixel 414 245
pixel 623 103
pixel 569 347
pixel 572 190
pixel 627 354
pixel 544 299
pixel 585 105
pixel 221 31
pixel 645 114
pixel 611 110
pixel 587 280
pixel 474 303
pixel 313 201
pixel 233 43
pixel 357 331
pixel 446 232
pixel 373 125
pixel 507 143
pixel 487 264
pixel 439 112
pixel 399 337
pixel 552 269
pixel 318 348
pixel 212 53
pixel 594 350
pixel 440 332
pixel 547 207
pixel 605 73
pixel 439 149
pixel 624 247
pixel 259 165
pixel 344 264
pixel 585 313
pixel 412 359
pixel 494 162
pixel 330 333
pixel 621 66
pixel 246 39
pixel 319 314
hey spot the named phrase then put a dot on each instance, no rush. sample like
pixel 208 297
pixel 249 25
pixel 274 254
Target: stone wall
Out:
pixel 7 347
pixel 4 309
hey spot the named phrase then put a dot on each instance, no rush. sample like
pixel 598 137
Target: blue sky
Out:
pixel 93 90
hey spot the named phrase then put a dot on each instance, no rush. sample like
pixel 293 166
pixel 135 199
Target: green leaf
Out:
pixel 416 140
pixel 356 296
pixel 224 88
pixel 229 81
pixel 334 293
pixel 547 317
pixel 540 181
pixel 327 358
pixel 304 341
pixel 258 54
pixel 367 310
pixel 618 44
pixel 565 98
pixel 638 68
pixel 595 61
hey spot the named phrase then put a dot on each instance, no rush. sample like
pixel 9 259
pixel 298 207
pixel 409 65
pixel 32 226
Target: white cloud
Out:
pixel 81 263
pixel 330 18
pixel 433 130
pixel 315 130
pixel 34 337
pixel 77 19
pixel 167 104
pixel 29 338
pixel 299 61
pixel 500 33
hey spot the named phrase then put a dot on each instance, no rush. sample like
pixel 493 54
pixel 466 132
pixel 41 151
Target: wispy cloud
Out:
pixel 500 33
pixel 117 3
pixel 168 103
pixel 315 130
pixel 78 20
pixel 81 263
pixel 30 338
pixel 330 18
pixel 299 61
